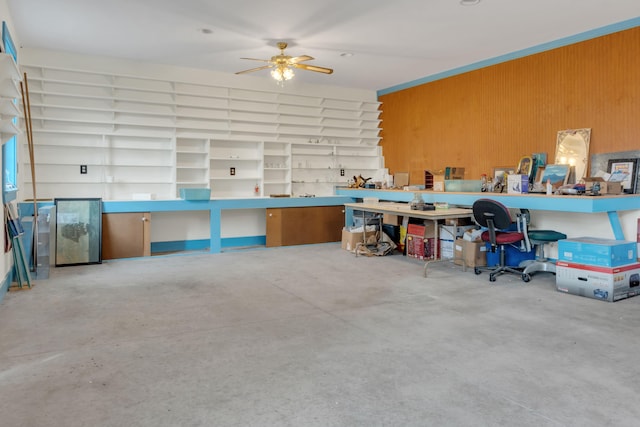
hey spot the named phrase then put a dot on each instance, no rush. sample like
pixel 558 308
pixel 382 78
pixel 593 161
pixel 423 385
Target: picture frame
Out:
pixel 499 171
pixel 78 231
pixel 498 177
pixel 539 174
pixel 525 166
pixel 630 166
pixel 557 175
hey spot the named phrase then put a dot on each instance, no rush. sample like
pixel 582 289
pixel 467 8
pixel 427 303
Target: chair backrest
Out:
pixel 487 211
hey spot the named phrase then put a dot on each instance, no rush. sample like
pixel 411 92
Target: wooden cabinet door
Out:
pixel 301 226
pixel 126 235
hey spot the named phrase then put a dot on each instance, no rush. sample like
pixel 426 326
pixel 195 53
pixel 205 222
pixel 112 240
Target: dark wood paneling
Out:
pixel 493 116
pixel 300 226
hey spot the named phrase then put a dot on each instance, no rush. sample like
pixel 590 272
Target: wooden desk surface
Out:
pixel 405 210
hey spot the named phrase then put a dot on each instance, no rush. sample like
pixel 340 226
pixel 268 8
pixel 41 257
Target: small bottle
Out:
pixel 549 187
pixel 483 180
pixel 256 190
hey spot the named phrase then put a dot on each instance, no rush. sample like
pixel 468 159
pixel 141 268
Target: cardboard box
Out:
pixel 422 230
pixel 606 187
pixel 517 184
pixel 446 249
pixel 400 179
pixel 603 283
pixel 391 219
pixel 474 254
pixel 597 251
pixel 438 182
pixel 420 247
pixel 453 173
pixel 351 239
pixel 458 221
pixel 448 234
pixel 452 232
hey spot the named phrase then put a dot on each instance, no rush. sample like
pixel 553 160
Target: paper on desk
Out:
pixel 602 174
pixel 618 176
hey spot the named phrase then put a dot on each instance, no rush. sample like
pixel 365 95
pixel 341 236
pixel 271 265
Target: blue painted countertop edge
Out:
pixel 584 204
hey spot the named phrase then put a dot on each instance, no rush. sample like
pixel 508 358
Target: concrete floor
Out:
pixel 312 336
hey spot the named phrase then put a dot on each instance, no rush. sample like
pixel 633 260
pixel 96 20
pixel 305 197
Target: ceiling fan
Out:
pixel 282 65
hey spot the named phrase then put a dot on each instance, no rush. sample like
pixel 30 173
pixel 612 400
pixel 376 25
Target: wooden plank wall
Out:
pixel 493 116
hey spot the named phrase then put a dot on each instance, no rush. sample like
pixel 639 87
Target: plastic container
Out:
pixel 463 185
pixel 195 193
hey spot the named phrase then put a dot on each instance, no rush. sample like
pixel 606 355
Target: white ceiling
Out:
pixel 392 41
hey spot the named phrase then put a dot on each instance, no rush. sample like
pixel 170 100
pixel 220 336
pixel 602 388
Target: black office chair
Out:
pixel 496 218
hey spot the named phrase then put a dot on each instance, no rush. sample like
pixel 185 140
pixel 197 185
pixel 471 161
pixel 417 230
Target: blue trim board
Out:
pixel 109 206
pixel 591 34
pixel 237 242
pixel 179 245
pixel 203 244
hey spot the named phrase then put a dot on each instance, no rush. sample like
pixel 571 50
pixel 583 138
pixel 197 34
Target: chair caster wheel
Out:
pixel 526 277
pixel 476 270
pixel 492 278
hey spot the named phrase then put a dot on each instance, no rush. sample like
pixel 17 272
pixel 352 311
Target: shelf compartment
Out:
pixel 9 67
pixel 197 101
pixel 341 104
pixel 255 106
pixel 299 110
pixel 298 100
pixel 230 189
pixel 9 89
pixel 201 113
pixel 191 175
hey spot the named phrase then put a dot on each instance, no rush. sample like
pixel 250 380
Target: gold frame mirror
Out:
pixel 572 148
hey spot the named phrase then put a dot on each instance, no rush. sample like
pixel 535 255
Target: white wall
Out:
pixel 6 261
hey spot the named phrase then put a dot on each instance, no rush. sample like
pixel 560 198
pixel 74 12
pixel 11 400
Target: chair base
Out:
pixel 536 266
pixel 497 271
pixel 540 265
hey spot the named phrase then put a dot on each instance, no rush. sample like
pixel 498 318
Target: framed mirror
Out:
pixel 78 231
pixel 572 148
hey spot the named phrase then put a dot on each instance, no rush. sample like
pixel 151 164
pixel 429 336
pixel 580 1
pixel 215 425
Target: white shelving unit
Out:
pixel 235 167
pixel 153 136
pixel 324 165
pixel 9 79
pixel 277 168
pixel 192 166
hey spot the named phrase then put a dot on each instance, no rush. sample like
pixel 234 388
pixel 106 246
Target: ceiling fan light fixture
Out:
pixel 282 73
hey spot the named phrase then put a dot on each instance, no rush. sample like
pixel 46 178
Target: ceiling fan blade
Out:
pixel 255 59
pixel 254 69
pixel 313 68
pixel 300 58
